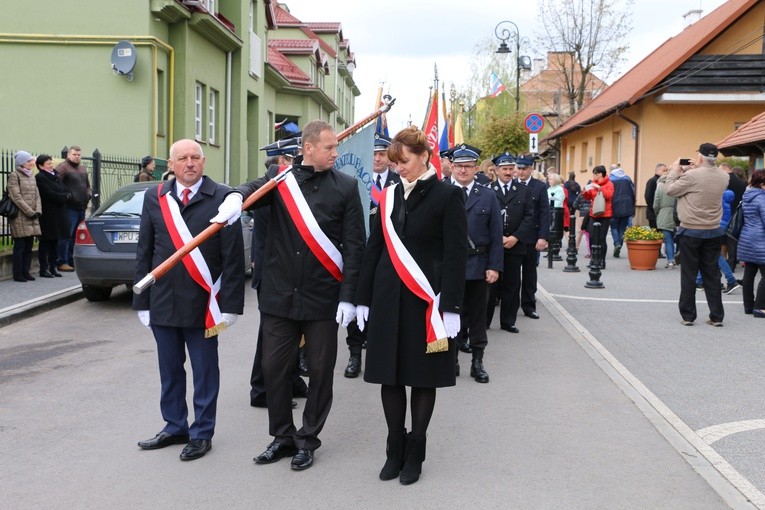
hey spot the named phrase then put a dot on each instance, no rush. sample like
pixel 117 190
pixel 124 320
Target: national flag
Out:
pixel 280 124
pixel 459 136
pixel 496 86
pixel 431 131
pixel 444 137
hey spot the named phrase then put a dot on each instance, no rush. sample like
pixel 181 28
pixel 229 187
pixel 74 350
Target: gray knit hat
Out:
pixel 22 157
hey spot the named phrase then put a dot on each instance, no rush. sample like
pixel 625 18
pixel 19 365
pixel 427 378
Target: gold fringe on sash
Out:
pixel 440 345
pixel 218 328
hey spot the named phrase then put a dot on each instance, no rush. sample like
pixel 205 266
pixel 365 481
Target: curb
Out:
pixel 38 305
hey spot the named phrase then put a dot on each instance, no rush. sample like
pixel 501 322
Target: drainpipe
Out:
pixel 637 136
pixel 227 148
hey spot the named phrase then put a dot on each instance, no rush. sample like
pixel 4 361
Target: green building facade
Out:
pixel 205 69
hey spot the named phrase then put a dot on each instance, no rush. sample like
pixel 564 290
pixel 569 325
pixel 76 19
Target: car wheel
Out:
pixel 93 293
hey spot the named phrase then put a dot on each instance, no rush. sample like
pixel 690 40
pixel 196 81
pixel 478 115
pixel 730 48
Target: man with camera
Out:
pixel 699 190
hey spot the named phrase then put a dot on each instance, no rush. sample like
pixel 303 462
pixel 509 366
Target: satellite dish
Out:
pixel 123 59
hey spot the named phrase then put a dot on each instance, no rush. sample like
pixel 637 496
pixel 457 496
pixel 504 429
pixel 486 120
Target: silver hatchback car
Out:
pixel 106 243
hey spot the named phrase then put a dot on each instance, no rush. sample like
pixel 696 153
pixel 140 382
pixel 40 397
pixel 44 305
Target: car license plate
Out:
pixel 126 237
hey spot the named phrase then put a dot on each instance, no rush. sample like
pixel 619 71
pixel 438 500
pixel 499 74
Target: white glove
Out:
pixel 145 317
pixel 452 324
pixel 229 210
pixel 229 319
pixel 362 316
pixel 345 313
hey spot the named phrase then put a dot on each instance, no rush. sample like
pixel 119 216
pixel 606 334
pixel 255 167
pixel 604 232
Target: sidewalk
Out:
pixel 20 300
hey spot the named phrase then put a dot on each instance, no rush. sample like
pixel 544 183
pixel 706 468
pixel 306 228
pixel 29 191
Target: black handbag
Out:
pixel 7 207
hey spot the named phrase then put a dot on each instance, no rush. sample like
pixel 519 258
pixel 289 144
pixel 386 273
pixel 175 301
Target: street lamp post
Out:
pixel 507 30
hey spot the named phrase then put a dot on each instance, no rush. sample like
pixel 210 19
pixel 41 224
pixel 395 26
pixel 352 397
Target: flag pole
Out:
pixel 187 248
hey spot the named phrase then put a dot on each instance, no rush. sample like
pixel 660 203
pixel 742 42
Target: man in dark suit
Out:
pixel 536 239
pixel 194 301
pixel 382 178
pixel 279 153
pixel 517 210
pixel 484 261
pixel 313 253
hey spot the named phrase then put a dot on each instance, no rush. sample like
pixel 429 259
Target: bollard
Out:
pixel 595 248
pixel 571 252
pixel 556 234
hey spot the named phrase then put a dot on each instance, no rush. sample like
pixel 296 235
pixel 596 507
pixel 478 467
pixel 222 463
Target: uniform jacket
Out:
pixel 541 226
pixel 54 196
pixel 175 299
pixel 484 228
pixel 432 225
pixel 294 284
pixel 517 210
pixel 608 193
pixel 76 181
pixel 751 242
pixel 23 192
pixel 390 180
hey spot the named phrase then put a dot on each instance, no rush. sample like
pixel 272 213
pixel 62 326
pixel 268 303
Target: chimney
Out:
pixel 692 17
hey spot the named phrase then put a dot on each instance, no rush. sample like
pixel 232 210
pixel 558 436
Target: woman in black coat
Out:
pixel 53 222
pixel 428 216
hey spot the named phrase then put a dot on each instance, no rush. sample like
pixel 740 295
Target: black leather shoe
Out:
pixel 55 272
pixel 196 449
pixel 511 329
pixel 303 363
pixel 29 277
pixel 531 315
pixel 45 274
pixel 465 347
pixel 274 452
pixel 161 440
pixel 354 366
pixel 303 460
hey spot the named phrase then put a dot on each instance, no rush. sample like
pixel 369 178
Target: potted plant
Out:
pixel 643 245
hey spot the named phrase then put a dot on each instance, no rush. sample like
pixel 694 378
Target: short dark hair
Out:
pixel 600 169
pixel 758 178
pixel 41 159
pixel 571 176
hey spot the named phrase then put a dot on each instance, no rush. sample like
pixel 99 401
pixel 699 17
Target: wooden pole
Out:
pixel 184 250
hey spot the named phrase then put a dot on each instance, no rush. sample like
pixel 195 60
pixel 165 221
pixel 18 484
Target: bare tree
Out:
pixel 587 37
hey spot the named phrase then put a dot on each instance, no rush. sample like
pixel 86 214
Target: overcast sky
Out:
pixel 399 41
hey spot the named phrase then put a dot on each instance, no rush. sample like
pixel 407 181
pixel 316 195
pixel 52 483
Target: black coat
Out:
pixel 176 300
pixel 649 195
pixel 517 210
pixel 54 223
pixel 432 225
pixel 294 284
pixel 541 223
pixel 485 230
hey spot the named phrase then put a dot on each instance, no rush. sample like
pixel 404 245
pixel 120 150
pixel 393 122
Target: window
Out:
pixel 198 111
pixel 212 117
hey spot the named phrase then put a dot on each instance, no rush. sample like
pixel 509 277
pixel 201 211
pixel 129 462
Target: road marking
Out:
pixel 717 432
pixel 733 488
pixel 625 300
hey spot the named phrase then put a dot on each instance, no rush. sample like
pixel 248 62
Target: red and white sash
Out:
pixel 317 241
pixel 194 262
pixel 412 276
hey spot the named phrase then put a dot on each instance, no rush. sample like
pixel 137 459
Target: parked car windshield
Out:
pixel 124 202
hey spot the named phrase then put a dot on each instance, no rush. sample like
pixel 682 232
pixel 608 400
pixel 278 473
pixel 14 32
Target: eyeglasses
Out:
pixel 464 167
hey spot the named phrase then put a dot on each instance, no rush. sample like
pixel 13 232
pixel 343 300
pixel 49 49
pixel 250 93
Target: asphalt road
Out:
pixel 79 388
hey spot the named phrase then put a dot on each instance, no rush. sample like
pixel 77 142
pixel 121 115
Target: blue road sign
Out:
pixel 534 123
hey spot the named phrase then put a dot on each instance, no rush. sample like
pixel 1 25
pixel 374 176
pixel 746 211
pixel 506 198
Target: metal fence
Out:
pixel 106 174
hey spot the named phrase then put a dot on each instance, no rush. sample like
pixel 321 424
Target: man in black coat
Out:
pixel 181 308
pixel 313 252
pixel 517 210
pixel 280 153
pixel 382 177
pixel 484 261
pixel 650 194
pixel 536 239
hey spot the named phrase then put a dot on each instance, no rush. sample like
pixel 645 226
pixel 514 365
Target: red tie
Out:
pixel 185 199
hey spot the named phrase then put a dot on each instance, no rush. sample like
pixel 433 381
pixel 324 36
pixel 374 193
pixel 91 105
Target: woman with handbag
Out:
pixel 600 192
pixel 22 188
pixel 53 223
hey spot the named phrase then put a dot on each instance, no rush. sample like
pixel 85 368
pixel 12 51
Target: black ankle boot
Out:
pixel 477 371
pixel 354 366
pixel 19 278
pixel 414 453
pixel 394 450
pixel 29 277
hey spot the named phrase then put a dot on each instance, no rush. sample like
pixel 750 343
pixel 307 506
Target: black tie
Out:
pixel 379 184
pixel 464 190
pixel 505 186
